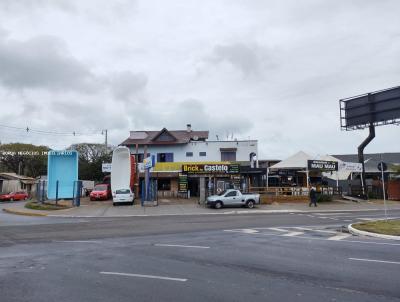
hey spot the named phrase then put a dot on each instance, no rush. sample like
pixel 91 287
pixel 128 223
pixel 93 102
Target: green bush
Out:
pixel 44 206
pixel 324 198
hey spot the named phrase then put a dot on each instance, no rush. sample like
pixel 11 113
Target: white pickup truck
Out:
pixel 233 198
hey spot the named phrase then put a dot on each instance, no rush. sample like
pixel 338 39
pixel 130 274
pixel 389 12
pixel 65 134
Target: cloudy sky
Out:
pixel 268 70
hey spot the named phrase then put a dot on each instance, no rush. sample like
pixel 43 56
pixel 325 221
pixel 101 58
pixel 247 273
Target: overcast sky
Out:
pixel 267 70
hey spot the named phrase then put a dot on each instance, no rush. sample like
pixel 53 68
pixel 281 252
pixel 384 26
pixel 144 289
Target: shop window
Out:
pixel 228 155
pixel 164 184
pixel 202 153
pixel 165 157
pixel 140 157
pixel 189 154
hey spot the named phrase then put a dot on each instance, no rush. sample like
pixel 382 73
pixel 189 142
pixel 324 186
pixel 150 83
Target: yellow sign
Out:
pixel 177 166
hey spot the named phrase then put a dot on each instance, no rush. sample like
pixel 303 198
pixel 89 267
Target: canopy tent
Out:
pixel 299 160
pixel 296 161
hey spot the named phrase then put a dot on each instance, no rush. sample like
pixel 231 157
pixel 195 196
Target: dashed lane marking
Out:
pixel 144 276
pixel 374 260
pixel 184 246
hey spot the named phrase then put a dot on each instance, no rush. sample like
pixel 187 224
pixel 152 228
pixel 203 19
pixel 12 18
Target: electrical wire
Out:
pixel 56 133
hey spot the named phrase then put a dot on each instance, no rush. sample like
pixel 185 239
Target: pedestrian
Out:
pixel 313 197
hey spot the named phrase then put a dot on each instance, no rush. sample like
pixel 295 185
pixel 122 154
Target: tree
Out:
pixel 91 157
pixel 26 159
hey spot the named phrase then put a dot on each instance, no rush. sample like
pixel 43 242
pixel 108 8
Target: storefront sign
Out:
pixel 210 169
pixel 182 183
pixel 351 167
pixel 148 162
pixel 322 165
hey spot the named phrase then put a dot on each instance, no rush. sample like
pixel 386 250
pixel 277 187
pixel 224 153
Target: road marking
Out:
pixel 76 241
pixel 340 236
pixel 291 234
pixel 367 219
pixel 179 245
pixel 351 241
pixel 315 230
pixel 347 220
pixel 330 214
pixel 144 276
pixel 278 229
pixel 373 260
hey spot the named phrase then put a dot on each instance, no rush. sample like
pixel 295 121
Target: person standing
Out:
pixel 313 197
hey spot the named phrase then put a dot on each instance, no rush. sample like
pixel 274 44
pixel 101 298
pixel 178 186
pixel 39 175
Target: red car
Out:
pixel 101 192
pixel 14 196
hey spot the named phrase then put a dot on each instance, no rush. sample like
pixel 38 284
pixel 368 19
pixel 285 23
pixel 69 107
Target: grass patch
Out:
pixel 390 227
pixel 44 206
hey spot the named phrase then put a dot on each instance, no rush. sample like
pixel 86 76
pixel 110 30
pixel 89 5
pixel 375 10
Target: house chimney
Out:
pixel 189 128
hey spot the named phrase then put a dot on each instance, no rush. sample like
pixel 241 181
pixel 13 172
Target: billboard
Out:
pixel 376 108
pixel 62 167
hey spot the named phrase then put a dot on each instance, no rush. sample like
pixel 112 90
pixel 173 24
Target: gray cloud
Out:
pixel 175 115
pixel 250 59
pixel 127 84
pixel 42 62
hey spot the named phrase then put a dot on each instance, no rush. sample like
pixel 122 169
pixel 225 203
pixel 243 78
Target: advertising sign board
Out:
pixel 351 167
pixel 210 169
pixel 62 173
pixel 148 162
pixel 183 183
pixel 376 108
pixel 106 167
pixel 322 165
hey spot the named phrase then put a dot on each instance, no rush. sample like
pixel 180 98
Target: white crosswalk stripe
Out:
pixel 298 232
pixel 339 236
pixel 291 234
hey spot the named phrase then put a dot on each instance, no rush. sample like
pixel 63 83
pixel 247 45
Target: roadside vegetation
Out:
pixel 390 227
pixel 324 198
pixel 44 206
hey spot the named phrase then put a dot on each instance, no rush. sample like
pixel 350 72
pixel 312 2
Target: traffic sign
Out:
pixel 382 166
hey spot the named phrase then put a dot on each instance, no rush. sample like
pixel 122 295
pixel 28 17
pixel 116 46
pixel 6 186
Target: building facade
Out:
pixel 187 163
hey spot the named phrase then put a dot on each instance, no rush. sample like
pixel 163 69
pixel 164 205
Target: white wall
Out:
pixel 244 148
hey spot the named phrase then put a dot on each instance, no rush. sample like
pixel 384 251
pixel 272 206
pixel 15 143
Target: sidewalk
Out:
pixel 106 209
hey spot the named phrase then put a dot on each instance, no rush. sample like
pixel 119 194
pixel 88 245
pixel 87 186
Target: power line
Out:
pixel 45 132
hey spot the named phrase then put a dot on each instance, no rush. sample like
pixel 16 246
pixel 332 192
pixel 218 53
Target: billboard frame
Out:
pixel 371 103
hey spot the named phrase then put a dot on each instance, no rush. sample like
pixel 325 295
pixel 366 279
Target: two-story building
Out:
pixel 186 161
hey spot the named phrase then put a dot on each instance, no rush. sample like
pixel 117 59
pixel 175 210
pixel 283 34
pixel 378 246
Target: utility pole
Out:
pixel 105 134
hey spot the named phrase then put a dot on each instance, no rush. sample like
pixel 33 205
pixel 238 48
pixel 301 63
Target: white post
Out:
pixel 307 175
pixel 267 178
pixel 383 187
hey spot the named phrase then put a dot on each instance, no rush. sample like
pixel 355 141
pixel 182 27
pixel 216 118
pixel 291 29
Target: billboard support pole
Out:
pixel 361 156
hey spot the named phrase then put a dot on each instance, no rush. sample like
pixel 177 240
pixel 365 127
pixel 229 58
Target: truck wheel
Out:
pixel 250 204
pixel 218 205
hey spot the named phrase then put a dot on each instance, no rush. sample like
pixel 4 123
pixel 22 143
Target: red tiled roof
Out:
pixel 177 137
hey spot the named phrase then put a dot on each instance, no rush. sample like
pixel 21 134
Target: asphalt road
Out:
pixel 262 257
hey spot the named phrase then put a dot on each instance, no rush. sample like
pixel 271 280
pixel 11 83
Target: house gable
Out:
pixel 164 136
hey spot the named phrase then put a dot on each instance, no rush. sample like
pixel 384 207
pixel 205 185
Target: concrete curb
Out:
pixel 357 232
pixel 24 213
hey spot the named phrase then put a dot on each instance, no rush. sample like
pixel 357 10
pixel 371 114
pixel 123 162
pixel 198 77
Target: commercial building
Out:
pixel 187 162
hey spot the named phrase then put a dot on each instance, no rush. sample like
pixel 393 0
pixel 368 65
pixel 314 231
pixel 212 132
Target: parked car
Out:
pixel 21 195
pixel 101 192
pixel 123 196
pixel 233 198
